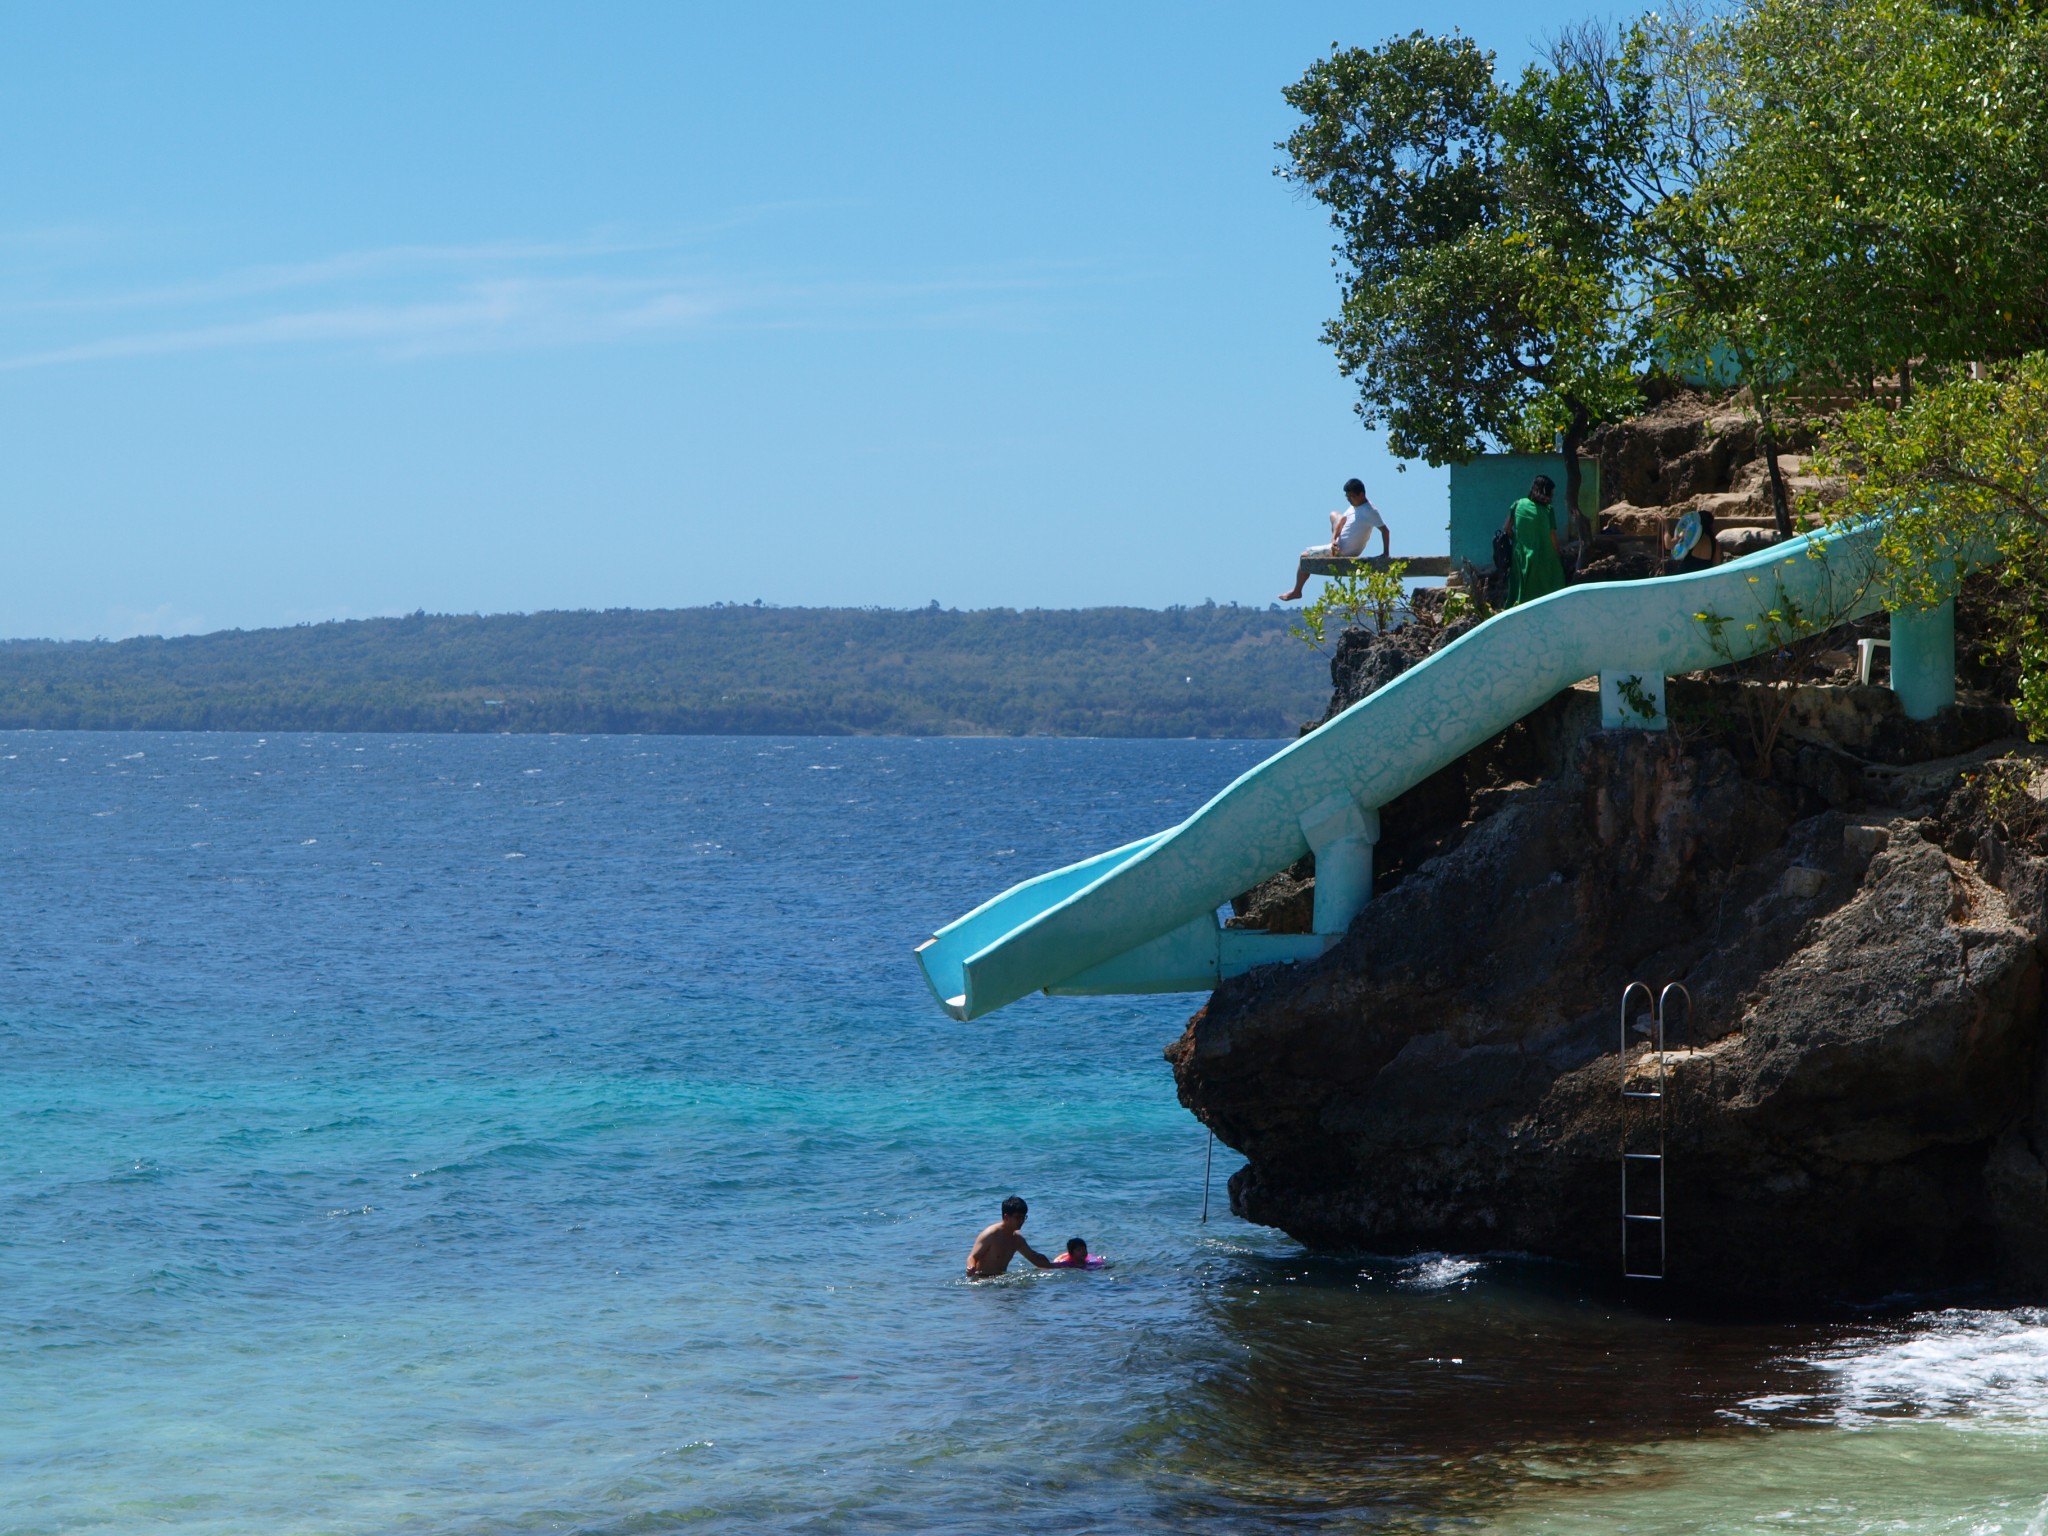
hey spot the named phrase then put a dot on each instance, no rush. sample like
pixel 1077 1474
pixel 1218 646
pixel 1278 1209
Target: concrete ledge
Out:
pixel 1418 565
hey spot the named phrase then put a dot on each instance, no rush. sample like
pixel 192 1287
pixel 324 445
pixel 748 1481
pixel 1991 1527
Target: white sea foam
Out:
pixel 1777 1402
pixel 1959 1364
pixel 1437 1272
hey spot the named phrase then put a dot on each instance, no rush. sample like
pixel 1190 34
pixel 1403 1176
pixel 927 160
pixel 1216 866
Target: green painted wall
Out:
pixel 1483 490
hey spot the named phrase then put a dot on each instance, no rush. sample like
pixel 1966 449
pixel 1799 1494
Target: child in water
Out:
pixel 1076 1256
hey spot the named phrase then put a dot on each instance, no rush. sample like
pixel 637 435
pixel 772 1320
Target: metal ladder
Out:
pixel 1642 1208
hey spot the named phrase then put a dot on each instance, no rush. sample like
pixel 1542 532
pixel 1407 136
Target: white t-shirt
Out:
pixel 1358 524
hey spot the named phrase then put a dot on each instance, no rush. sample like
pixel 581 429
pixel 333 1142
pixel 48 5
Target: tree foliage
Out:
pixel 1818 194
pixel 1363 592
pixel 1887 194
pixel 1885 188
pixel 1829 195
pixel 1828 191
pixel 1476 243
pixel 1665 84
pixel 1960 473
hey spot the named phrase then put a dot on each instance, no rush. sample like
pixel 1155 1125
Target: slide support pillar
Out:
pixel 1632 699
pixel 1341 834
pixel 1924 659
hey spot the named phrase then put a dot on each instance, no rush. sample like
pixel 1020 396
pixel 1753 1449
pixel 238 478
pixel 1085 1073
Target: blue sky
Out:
pixel 317 312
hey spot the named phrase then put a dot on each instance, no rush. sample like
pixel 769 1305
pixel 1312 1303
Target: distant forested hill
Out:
pixel 1204 671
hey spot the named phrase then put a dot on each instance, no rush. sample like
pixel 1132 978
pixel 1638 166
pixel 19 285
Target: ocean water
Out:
pixel 547 1134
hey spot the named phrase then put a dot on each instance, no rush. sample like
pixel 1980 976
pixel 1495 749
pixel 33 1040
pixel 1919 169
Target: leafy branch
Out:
pixel 1781 641
pixel 1957 476
pixel 1361 592
pixel 1636 696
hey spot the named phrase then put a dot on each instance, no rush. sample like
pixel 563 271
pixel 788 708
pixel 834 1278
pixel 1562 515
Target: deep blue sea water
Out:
pixel 550 1134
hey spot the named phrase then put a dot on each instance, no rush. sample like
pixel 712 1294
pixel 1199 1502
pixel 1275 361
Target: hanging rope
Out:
pixel 1207 1163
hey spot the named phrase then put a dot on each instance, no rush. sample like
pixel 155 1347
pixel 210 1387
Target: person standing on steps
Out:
pixel 1691 543
pixel 1536 567
pixel 1350 527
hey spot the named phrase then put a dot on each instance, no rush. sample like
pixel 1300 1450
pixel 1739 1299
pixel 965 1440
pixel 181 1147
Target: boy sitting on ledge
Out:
pixel 1349 530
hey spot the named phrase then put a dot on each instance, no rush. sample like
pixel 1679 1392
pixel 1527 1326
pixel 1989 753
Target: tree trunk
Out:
pixel 1767 434
pixel 1577 525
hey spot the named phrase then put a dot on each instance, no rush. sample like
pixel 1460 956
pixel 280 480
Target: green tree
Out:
pixel 1661 89
pixel 1477 244
pixel 1885 185
pixel 1884 191
pixel 1960 474
pixel 1824 193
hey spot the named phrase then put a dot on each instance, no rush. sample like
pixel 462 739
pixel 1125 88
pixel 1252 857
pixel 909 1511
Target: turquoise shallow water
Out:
pixel 531 1134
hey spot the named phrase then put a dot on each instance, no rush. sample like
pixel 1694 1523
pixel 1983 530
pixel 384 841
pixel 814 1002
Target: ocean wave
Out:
pixel 1437 1271
pixel 1961 1364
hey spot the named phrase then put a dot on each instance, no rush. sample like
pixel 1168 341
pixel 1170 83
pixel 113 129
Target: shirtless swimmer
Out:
pixel 1002 1242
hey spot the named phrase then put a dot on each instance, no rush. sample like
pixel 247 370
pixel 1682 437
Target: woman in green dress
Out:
pixel 1537 568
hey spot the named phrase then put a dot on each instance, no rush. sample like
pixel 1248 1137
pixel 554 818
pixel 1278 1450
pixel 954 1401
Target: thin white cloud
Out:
pixel 371 264
pixel 507 313
pixel 344 267
pixel 516 295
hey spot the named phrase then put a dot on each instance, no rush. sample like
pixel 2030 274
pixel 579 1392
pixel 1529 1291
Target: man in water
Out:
pixel 1002 1242
pixel 1349 531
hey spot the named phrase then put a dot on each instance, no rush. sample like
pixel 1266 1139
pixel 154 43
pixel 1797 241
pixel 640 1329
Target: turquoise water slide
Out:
pixel 1142 918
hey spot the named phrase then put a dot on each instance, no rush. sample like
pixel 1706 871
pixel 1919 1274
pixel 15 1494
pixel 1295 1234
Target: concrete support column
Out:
pixel 1341 834
pixel 1924 659
pixel 1632 700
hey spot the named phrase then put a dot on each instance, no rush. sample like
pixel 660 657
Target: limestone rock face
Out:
pixel 1697 451
pixel 1855 901
pixel 1366 660
pixel 1689 445
pixel 1861 1109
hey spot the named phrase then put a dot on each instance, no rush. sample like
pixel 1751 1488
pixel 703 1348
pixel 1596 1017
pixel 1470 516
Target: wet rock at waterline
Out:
pixel 1862 1109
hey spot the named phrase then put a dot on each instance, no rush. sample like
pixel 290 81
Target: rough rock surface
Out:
pixel 1611 560
pixel 1855 901
pixel 1688 445
pixel 1366 660
pixel 1698 451
pixel 1863 1109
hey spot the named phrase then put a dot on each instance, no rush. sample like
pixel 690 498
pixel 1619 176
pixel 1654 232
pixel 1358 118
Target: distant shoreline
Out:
pixel 1210 672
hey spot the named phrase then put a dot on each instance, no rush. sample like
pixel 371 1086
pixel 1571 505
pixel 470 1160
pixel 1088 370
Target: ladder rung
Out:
pixel 1636 1166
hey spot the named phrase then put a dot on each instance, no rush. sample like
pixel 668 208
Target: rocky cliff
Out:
pixel 1698 451
pixel 1860 1108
